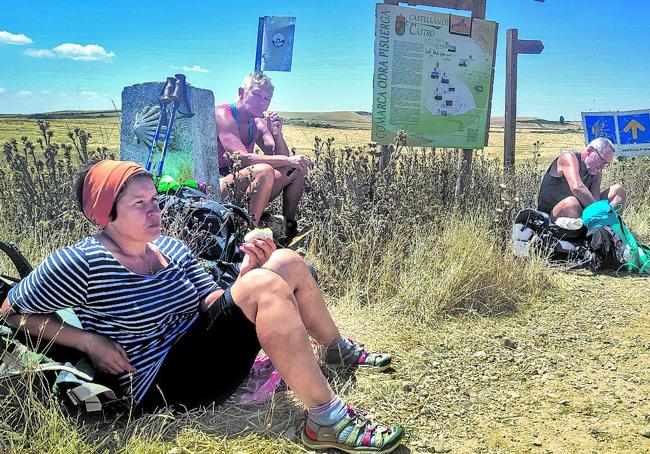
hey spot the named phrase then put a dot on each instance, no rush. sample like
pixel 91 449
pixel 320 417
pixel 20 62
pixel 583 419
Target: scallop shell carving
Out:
pixel 145 125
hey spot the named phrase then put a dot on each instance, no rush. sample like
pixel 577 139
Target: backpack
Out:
pixel 533 232
pixel 209 228
pixel 618 248
pixel 17 358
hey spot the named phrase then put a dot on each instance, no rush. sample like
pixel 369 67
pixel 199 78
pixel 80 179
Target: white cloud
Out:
pixel 72 51
pixel 24 93
pixel 15 39
pixel 91 94
pixel 2 91
pixel 89 52
pixel 39 53
pixel 194 69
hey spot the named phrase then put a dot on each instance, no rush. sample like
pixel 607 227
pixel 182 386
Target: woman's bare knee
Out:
pixel 258 289
pixel 288 264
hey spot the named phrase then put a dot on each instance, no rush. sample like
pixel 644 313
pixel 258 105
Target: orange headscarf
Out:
pixel 102 185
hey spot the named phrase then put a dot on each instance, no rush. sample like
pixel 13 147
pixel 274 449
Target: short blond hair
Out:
pixel 256 79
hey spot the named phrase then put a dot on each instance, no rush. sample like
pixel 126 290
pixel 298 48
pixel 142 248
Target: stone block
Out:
pixel 192 150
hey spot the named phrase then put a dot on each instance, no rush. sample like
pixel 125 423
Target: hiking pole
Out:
pixel 176 97
pixel 164 100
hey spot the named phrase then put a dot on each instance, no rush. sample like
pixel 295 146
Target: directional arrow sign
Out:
pixel 529 46
pixel 635 126
pixel 628 130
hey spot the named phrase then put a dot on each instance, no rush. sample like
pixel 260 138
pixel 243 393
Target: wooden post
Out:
pixel 465 156
pixel 514 47
pixel 384 159
pixel 510 125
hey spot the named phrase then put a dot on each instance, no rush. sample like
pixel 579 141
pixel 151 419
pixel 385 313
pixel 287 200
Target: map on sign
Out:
pixel 433 77
pixel 629 130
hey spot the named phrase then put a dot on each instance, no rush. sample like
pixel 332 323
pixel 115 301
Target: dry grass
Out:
pixel 407 269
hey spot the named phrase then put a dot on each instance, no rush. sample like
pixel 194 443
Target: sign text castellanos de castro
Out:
pixel 433 77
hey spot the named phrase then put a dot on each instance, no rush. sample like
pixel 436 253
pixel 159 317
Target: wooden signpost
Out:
pixel 514 47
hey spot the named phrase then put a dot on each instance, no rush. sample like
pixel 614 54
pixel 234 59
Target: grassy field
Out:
pixel 349 129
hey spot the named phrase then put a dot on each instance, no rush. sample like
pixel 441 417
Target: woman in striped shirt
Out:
pixel 155 322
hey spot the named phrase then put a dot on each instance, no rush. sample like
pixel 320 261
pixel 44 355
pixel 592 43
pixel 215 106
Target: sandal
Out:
pixel 360 439
pixel 357 356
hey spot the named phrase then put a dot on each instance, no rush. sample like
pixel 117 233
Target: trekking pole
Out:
pixel 164 100
pixel 176 97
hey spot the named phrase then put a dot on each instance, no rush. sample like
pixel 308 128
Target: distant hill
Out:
pixel 66 114
pixel 343 119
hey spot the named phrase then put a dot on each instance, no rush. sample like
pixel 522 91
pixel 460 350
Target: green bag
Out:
pixel 635 255
pixel 167 183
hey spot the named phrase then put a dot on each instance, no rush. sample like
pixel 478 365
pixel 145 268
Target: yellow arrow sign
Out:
pixel 634 126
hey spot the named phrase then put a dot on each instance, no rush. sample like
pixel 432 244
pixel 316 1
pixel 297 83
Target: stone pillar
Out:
pixel 192 150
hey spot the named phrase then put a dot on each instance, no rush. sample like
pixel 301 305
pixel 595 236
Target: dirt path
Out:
pixel 569 375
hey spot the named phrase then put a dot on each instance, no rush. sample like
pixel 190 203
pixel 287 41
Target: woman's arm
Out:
pixel 106 355
pixel 257 252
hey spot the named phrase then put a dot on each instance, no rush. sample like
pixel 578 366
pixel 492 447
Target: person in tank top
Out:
pixel 244 124
pixel 573 181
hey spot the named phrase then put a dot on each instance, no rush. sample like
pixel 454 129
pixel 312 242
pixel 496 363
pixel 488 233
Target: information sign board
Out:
pixel 433 77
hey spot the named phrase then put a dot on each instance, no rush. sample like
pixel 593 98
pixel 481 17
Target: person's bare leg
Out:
pixel 291 187
pixel 616 195
pixel 311 304
pixel 261 187
pixel 269 302
pixel 569 207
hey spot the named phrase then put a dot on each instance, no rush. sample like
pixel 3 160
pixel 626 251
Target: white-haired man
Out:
pixel 243 124
pixel 573 181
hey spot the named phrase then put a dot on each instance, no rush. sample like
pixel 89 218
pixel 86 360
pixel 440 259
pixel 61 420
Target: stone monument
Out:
pixel 192 150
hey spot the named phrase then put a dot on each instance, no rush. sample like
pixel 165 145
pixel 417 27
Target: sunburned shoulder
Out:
pixel 223 113
pixel 567 157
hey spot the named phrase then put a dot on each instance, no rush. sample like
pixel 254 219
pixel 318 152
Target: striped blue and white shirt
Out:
pixel 144 314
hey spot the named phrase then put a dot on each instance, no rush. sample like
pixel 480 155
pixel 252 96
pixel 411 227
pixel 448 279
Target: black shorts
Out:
pixel 209 362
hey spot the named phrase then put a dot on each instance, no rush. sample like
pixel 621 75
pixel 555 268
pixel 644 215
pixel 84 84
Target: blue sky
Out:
pixel 596 56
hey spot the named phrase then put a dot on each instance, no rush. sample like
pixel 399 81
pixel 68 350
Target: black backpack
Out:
pixel 209 228
pixel 601 240
pixel 533 230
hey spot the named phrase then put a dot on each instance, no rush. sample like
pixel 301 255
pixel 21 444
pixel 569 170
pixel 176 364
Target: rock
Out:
pixel 510 344
pixel 564 402
pixel 537 442
pixel 441 448
pixel 480 354
pixel 408 388
pixel 645 434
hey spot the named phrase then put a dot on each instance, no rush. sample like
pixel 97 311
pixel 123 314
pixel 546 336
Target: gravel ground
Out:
pixel 570 374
